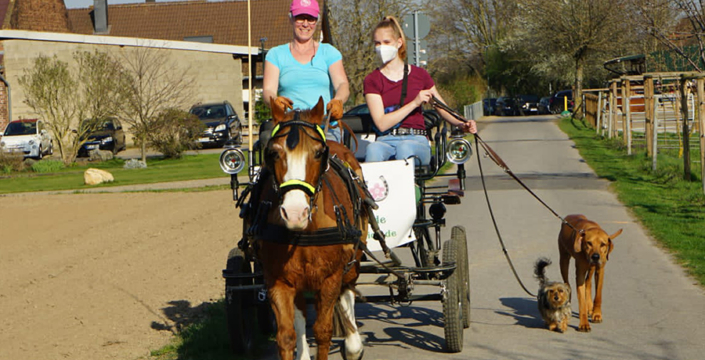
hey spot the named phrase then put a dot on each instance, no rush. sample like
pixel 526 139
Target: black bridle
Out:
pixel 292 140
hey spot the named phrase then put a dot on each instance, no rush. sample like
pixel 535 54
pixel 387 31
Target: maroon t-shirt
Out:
pixel 419 79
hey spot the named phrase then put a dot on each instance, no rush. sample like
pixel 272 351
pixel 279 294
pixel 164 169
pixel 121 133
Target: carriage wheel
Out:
pixel 458 234
pixel 239 307
pixel 452 299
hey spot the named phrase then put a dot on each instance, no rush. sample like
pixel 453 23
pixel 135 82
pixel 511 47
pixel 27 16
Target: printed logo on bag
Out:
pixel 379 189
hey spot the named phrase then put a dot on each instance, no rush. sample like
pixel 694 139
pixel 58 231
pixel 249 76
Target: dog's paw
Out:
pixel 596 318
pixel 584 328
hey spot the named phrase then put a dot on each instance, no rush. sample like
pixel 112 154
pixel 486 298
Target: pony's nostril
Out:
pixel 282 210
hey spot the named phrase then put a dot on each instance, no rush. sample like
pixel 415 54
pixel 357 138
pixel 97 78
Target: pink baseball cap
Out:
pixel 308 7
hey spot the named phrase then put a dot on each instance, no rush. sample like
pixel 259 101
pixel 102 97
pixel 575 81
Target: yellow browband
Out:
pixel 318 129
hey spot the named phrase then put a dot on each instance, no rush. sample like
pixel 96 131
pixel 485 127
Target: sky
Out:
pixel 73 4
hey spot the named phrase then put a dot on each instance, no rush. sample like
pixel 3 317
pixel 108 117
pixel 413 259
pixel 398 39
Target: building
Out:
pixel 210 37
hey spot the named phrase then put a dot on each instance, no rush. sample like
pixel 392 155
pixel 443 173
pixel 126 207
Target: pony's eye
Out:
pixel 319 154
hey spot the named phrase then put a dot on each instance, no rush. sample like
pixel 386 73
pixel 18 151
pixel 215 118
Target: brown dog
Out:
pixel 591 247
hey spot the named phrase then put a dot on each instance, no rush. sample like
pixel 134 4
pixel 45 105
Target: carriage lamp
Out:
pixel 232 161
pixel 459 151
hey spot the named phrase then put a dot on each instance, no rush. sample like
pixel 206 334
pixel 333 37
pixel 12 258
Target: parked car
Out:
pixel 27 137
pixel 528 104
pixel 557 103
pixel 506 106
pixel 488 106
pixel 107 135
pixel 221 121
pixel 544 103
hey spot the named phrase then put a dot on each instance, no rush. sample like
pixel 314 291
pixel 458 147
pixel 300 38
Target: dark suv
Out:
pixel 557 103
pixel 107 134
pixel 221 121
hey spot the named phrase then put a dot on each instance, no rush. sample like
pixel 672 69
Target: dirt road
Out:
pixel 108 276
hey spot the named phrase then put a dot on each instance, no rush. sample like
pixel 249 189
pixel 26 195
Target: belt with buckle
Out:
pixel 407 131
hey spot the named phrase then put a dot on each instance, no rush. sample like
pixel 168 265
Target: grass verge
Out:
pixel 670 208
pixel 189 167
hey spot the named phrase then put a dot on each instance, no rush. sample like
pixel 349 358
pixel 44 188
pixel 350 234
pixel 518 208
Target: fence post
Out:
pixel 648 111
pixel 599 112
pixel 686 136
pixel 701 118
pixel 613 109
pixel 654 139
pixel 626 101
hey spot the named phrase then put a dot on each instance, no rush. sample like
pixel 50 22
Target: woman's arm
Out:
pixel 387 121
pixel 270 84
pixel 340 81
pixel 469 126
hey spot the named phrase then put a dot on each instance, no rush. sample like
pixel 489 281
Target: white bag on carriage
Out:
pixel 391 184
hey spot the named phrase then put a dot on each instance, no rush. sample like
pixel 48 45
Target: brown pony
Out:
pixel 308 238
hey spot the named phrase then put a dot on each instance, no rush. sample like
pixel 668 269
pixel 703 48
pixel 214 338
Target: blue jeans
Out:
pixel 399 147
pixel 334 134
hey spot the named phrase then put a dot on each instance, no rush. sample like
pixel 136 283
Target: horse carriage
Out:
pixel 340 230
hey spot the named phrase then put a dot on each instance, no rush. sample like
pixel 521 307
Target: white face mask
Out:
pixel 386 53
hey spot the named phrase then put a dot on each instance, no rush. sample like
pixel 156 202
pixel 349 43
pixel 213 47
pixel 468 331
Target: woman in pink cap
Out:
pixel 297 73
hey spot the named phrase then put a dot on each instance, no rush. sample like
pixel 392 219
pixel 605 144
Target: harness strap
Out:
pixel 327 236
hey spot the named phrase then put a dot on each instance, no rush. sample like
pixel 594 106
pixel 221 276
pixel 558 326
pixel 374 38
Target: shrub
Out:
pixel 173 132
pixel 47 166
pixel 10 163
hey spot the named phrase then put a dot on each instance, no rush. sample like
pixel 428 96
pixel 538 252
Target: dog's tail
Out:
pixel 540 270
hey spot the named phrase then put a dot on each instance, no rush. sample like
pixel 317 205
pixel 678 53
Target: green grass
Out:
pixel 189 167
pixel 206 339
pixel 670 208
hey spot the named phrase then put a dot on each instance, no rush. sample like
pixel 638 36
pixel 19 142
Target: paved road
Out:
pixel 652 310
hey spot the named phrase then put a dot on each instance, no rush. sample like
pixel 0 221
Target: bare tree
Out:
pixel 351 25
pixel 675 25
pixel 63 96
pixel 156 83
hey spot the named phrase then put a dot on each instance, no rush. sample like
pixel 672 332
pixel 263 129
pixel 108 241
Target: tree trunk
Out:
pixel 578 88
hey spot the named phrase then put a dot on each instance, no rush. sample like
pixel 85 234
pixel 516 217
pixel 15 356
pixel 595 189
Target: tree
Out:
pixel 63 96
pixel 155 83
pixel 675 25
pixel 573 29
pixel 351 24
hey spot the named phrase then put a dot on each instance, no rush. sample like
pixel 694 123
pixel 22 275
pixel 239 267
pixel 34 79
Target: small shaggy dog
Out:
pixel 553 298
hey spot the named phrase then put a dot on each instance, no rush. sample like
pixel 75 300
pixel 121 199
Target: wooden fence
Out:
pixel 652 112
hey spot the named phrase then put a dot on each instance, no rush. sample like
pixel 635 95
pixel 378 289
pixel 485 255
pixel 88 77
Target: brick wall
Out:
pixel 40 15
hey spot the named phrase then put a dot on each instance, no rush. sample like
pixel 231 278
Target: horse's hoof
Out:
pixel 344 353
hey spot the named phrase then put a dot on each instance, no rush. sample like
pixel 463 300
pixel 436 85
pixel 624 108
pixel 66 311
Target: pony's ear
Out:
pixel 317 112
pixel 277 111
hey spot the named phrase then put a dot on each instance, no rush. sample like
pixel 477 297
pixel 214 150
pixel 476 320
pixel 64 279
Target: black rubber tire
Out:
pixel 458 234
pixel 239 309
pixel 40 154
pixel 453 317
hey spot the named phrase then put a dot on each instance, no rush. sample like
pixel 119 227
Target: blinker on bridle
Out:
pixel 292 141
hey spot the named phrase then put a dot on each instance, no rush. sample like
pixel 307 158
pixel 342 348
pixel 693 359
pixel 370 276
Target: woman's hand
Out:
pixel 468 127
pixel 335 109
pixel 423 97
pixel 283 103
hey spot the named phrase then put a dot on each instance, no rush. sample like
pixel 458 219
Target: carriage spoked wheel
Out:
pixel 452 297
pixel 458 234
pixel 240 309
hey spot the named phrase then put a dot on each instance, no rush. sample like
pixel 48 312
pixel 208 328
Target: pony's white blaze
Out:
pixel 302 352
pixel 295 209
